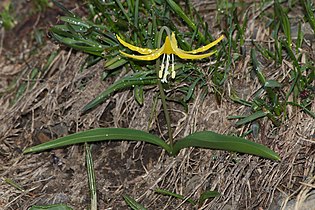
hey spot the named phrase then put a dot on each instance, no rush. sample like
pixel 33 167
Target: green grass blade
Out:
pixel 309 112
pixel 138 94
pixel 208 194
pixel 178 10
pixel 272 84
pixel 211 140
pixel 252 117
pixel 114 63
pixel 309 13
pixel 284 20
pixel 13 184
pixel 132 203
pixel 127 82
pixel 91 176
pixel 175 195
pixel 101 134
pixel 75 21
pixel 191 89
pixel 63 8
pixel 51 207
pixel 123 10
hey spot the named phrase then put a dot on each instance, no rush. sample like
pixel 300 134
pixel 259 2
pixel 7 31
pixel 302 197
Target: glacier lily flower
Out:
pixel 169 49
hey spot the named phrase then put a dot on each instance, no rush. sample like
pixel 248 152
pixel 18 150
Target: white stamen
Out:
pixel 162 67
pixel 167 63
pixel 173 67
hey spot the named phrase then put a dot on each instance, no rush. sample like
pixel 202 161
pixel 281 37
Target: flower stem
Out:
pixel 162 93
pixel 165 110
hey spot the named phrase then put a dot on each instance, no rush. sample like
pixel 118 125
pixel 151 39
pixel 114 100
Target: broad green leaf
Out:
pixel 51 207
pixel 126 82
pixel 101 134
pixel 168 193
pixel 254 116
pixel 211 140
pixel 208 194
pixel 133 203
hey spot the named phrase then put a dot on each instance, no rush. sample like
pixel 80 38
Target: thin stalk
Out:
pixel 162 93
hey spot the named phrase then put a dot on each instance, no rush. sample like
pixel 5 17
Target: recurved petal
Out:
pixel 184 55
pixel 144 51
pixel 206 47
pixel 148 57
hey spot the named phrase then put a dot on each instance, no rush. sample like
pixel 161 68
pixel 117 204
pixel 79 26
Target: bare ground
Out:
pixel 52 109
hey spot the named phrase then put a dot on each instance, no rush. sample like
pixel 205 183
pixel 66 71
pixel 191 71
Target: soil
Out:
pixel 51 109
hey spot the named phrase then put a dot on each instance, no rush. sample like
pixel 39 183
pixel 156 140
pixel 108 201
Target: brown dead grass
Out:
pixel 52 109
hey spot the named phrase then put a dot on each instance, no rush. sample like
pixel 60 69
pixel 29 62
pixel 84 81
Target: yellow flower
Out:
pixel 170 48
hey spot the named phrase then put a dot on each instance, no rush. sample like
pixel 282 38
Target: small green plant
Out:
pixel 203 197
pixel 102 41
pixel 274 97
pixel 7 20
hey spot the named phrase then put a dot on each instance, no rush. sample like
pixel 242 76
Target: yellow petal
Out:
pixel 183 55
pixel 144 51
pixel 149 57
pixel 207 47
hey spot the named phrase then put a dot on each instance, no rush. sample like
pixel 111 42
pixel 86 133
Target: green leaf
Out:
pixel 208 194
pixel 254 116
pixel 126 82
pixel 63 8
pixel 211 140
pixel 101 134
pixel 13 184
pixel 114 63
pixel 51 207
pixel 133 203
pixel 178 10
pixel 138 94
pixel 284 20
pixel 191 89
pixel 309 13
pixel 272 84
pixel 168 193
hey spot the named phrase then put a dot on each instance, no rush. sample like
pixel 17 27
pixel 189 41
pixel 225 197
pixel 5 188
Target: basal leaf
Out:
pixel 101 134
pixel 211 140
